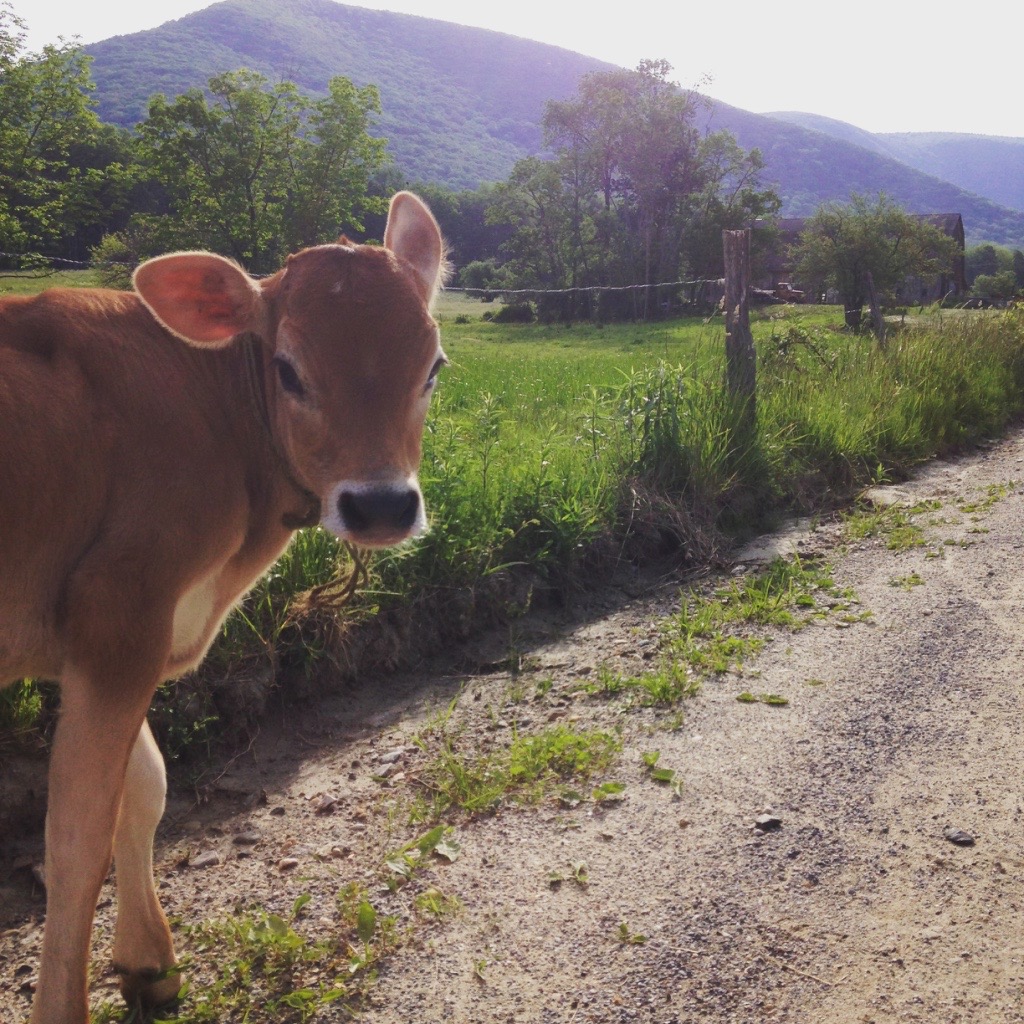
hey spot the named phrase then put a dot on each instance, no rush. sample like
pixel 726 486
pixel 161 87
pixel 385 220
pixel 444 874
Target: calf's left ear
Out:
pixel 413 234
pixel 202 298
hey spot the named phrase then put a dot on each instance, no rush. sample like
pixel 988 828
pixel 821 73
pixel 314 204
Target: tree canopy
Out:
pixel 636 192
pixel 844 243
pixel 49 181
pixel 258 170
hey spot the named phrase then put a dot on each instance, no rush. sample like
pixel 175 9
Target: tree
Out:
pixel 987 259
pixel 261 170
pixel 543 251
pixel 46 117
pixel 844 243
pixel 981 259
pixel 336 157
pixel 635 189
pixel 1001 285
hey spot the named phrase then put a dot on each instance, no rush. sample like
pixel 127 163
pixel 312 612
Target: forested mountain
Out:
pixel 461 105
pixel 812 165
pixel 988 165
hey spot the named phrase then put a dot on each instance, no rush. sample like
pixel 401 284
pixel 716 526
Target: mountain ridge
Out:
pixel 991 166
pixel 462 104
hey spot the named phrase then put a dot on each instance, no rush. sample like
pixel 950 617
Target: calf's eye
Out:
pixel 288 377
pixel 434 371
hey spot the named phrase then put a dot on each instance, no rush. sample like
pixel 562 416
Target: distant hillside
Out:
pixel 461 105
pixel 813 165
pixel 988 165
pixel 830 126
pixel 991 166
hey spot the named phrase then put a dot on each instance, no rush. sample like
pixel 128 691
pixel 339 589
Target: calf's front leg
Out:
pixel 98 726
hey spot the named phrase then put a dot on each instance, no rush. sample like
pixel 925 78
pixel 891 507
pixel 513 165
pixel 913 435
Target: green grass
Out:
pixel 530 767
pixel 895 525
pixel 27 282
pixel 21 704
pixel 262 968
pixel 714 631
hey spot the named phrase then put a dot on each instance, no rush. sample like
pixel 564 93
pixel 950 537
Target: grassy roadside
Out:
pixel 554 451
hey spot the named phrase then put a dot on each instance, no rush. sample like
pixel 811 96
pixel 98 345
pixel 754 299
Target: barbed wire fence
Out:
pixel 599 302
pixel 18 264
pixel 594 302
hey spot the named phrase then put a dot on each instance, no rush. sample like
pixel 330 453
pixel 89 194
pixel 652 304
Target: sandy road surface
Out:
pixel 857 908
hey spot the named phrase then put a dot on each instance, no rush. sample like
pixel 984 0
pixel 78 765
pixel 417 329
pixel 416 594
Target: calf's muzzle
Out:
pixel 383 512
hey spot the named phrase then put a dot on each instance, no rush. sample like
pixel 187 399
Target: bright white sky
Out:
pixel 882 65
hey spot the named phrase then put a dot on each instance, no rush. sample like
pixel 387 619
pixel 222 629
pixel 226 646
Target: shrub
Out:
pixel 515 313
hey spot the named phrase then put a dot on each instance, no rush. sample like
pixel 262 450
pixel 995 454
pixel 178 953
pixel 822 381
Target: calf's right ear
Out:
pixel 413 234
pixel 204 299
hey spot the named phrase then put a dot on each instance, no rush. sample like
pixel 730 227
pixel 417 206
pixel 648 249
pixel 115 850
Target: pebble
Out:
pixel 958 836
pixel 326 803
pixel 205 860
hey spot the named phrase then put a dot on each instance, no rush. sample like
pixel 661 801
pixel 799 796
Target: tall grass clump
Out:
pixel 831 416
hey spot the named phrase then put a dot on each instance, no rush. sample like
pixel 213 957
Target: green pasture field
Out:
pixel 27 282
pixel 551 448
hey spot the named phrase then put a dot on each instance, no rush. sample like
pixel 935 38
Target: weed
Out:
pixel 893 524
pixel 788 592
pixel 608 792
pixel 907 582
pixel 665 776
pixel 993 493
pixel 266 971
pixel 437 904
pixel 578 872
pixel 628 937
pixel 666 685
pixel 20 706
pixel 532 766
pixel 771 699
pixel 403 863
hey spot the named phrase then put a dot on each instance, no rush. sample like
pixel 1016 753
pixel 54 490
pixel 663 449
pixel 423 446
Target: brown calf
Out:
pixel 157 451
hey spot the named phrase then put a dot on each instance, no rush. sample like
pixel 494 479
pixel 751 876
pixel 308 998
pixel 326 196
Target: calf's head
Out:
pixel 352 355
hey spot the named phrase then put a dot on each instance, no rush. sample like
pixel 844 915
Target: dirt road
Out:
pixel 888 886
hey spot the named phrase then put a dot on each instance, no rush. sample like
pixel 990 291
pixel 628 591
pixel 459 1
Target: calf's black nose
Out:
pixel 379 509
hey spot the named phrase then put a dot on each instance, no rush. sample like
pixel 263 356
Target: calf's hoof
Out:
pixel 149 987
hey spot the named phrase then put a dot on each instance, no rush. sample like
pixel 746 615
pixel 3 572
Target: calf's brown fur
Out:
pixel 157 450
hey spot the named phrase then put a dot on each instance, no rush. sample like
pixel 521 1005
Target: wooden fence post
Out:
pixel 739 342
pixel 877 320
